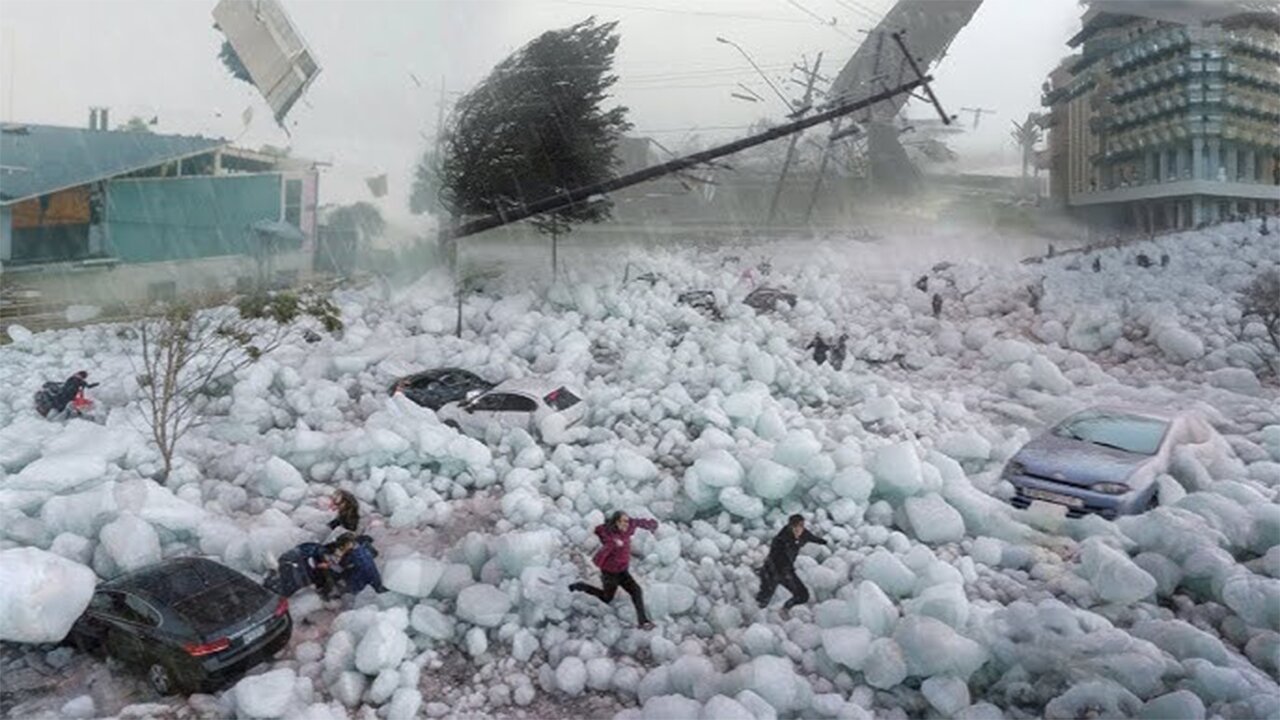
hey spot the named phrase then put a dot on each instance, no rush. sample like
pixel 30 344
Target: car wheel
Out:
pixel 161 679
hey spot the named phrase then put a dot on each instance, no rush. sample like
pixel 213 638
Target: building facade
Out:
pixel 120 218
pixel 1167 118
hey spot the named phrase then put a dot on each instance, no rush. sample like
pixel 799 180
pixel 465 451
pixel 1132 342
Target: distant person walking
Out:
pixel 937 306
pixel 614 560
pixel 780 566
pixel 819 347
pixel 839 351
pixel 348 509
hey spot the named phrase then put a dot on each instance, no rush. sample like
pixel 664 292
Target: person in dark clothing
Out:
pixel 819 347
pixel 779 568
pixel 1097 264
pixel 348 509
pixel 71 388
pixel 614 558
pixel 306 564
pixel 838 352
pixel 355 558
pixel 937 305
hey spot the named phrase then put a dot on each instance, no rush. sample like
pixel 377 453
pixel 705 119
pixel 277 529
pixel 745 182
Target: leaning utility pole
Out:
pixel 586 194
pixel 791 148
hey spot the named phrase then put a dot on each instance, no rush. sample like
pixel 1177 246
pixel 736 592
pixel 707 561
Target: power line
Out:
pixel 826 23
pixel 861 9
pixel 674 11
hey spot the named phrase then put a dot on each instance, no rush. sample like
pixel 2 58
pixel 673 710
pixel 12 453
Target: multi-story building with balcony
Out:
pixel 1169 115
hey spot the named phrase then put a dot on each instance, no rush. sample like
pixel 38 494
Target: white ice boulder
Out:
pixel 886 667
pixel 280 479
pixel 405 704
pixel 770 480
pixel 413 575
pixel 1237 380
pixel 1046 376
pixel 897 470
pixel 853 483
pixel 571 675
pixel 382 647
pixel 1112 575
pixel 930 647
pixel 725 708
pixel 948 695
pixel 772 678
pixel 1181 704
pixel 1096 698
pixel 483 605
pixel 888 572
pixel 738 503
pixel 1179 345
pixel 430 622
pixel 130 542
pixel 797 449
pixel 717 468
pixel 666 599
pixel 635 467
pixel 848 646
pixel 1093 329
pixel 670 707
pixel 269 695
pixel 876 612
pixel 1007 352
pixel 933 520
pixel 41 595
pixel 965 446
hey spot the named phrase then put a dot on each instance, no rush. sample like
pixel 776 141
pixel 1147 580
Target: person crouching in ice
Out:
pixel 354 559
pixel 780 567
pixel 613 558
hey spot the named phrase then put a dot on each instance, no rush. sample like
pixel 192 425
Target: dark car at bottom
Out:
pixel 189 624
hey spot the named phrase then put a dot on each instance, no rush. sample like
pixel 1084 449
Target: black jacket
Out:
pixel 348 518
pixel 785 547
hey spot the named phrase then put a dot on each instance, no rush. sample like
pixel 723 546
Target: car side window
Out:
pixel 139 609
pixel 116 605
pixel 496 401
pixel 519 403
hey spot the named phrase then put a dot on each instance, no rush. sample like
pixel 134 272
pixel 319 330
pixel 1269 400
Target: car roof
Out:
pixel 535 386
pixel 437 372
pixel 1139 410
pixel 170 581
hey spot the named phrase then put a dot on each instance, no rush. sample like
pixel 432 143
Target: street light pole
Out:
pixel 763 76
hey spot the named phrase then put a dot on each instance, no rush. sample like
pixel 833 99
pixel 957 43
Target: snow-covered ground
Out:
pixel 935 597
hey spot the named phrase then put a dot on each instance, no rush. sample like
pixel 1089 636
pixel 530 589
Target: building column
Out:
pixel 1233 165
pixel 1152 173
pixel 1197 159
pixel 1250 166
pixel 1185 166
pixel 1214 160
pixel 6 234
pixel 1162 165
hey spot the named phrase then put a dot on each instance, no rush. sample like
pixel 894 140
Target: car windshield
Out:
pixel 1130 433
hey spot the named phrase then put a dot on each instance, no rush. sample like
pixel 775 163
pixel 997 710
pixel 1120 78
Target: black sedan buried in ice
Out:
pixel 436 388
pixel 190 624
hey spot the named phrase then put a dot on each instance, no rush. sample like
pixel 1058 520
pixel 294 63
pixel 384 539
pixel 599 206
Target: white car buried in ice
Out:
pixel 533 404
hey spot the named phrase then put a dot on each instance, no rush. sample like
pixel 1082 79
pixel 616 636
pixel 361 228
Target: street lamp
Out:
pixel 769 82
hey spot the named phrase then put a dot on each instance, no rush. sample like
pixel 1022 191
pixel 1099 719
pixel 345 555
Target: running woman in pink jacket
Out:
pixel 613 558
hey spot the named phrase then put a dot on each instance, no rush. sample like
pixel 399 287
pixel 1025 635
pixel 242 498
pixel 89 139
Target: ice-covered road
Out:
pixel 935 598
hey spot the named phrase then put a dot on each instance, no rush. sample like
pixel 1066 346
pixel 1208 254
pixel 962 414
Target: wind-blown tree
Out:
pixel 534 128
pixel 1026 136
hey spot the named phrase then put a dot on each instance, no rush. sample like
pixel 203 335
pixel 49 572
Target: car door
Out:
pixel 485 409
pixel 125 626
pixel 518 411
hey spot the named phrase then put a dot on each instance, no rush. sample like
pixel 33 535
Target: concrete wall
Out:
pixel 6 234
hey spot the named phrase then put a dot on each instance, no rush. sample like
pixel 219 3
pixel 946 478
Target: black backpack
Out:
pixel 46 397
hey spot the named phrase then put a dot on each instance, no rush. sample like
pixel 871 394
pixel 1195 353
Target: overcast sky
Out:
pixel 374 106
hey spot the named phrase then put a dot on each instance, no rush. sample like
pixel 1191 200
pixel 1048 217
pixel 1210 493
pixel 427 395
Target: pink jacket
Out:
pixel 614 555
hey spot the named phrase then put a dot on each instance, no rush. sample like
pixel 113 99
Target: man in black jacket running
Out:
pixel 779 568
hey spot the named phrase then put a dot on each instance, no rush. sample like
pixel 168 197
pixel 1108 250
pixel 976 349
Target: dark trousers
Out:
pixel 612 581
pixel 770 579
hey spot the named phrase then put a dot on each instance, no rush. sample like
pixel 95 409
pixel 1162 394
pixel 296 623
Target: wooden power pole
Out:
pixel 795 138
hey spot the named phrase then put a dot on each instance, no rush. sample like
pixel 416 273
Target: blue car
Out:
pixel 1104 460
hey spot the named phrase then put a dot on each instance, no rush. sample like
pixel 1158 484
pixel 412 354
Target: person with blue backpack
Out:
pixel 355 562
